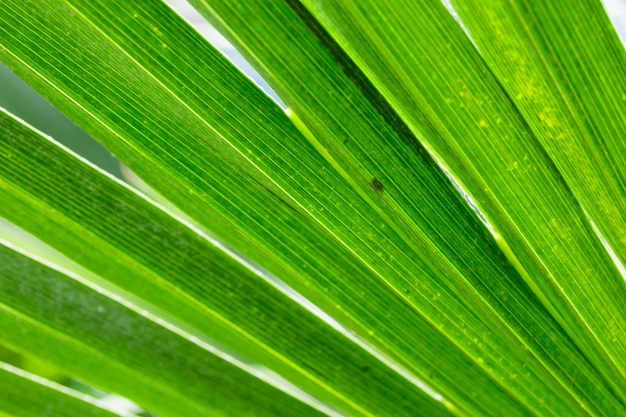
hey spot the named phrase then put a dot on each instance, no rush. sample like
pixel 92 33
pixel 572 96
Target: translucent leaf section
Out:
pixel 435 79
pixel 74 326
pixel 154 256
pixel 356 129
pixel 26 395
pixel 564 72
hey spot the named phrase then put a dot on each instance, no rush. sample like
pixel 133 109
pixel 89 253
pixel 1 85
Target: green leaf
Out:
pixel 147 252
pixel 436 81
pixel 351 104
pixel 308 251
pixel 26 395
pixel 570 90
pixel 342 202
pixel 117 347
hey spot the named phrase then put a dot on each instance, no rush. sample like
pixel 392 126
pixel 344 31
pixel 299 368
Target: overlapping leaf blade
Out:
pixel 444 91
pixel 152 255
pixel 306 222
pixel 401 322
pixel 76 327
pixel 26 395
pixel 273 208
pixel 562 64
pixel 316 64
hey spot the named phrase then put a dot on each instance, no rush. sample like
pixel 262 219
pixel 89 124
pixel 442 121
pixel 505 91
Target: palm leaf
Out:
pixel 77 327
pixel 24 394
pixel 194 281
pixel 347 198
pixel 478 134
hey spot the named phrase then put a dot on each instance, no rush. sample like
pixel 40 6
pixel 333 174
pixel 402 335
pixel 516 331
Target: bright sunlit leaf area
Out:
pixel 312 208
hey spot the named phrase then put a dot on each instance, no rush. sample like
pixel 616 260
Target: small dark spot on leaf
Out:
pixel 315 371
pixel 272 193
pixel 365 368
pixel 377 185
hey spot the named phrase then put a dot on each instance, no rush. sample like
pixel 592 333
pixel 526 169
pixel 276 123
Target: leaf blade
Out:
pixel 79 328
pixel 25 395
pixel 250 26
pixel 456 113
pixel 146 252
